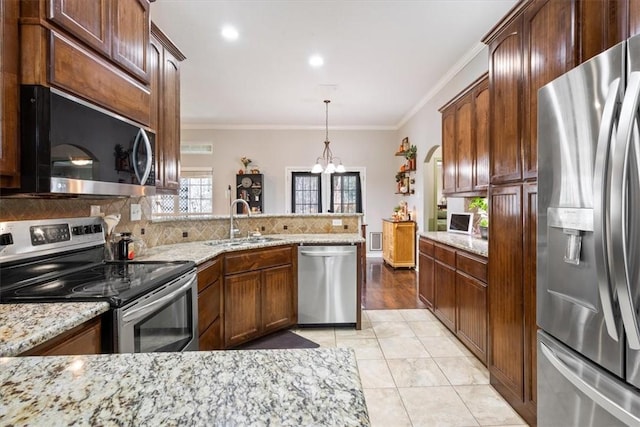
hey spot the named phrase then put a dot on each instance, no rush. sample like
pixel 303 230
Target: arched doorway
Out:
pixel 432 186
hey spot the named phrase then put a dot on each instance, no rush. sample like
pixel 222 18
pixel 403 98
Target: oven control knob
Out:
pixel 77 231
pixel 87 229
pixel 6 239
pixel 97 228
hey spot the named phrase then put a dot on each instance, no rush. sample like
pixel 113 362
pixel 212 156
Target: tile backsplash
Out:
pixel 176 231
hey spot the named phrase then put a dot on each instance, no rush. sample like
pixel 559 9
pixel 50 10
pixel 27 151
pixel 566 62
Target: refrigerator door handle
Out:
pixel 601 178
pixel 618 208
pixel 572 374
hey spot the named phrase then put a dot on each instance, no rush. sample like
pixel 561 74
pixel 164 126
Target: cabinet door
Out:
pixel 9 157
pixel 506 317
pixel 548 53
pixel 170 107
pixel 449 150
pixel 131 26
pixel 530 199
pixel 464 147
pixel 404 244
pixel 426 280
pixel 88 20
pixel 242 307
pixel 278 298
pixel 387 241
pixel 481 135
pixel 155 84
pixel 471 297
pixel 505 81
pixel 445 294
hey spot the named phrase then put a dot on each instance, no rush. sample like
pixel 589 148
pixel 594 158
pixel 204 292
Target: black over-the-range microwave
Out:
pixel 70 146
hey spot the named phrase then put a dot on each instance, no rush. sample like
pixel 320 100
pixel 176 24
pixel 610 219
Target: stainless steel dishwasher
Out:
pixel 327 286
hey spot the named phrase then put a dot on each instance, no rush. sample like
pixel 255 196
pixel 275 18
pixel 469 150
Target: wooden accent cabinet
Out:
pixel 9 63
pixel 399 243
pixel 165 61
pixel 210 305
pixel 453 284
pixel 465 140
pixel 260 293
pixel 83 339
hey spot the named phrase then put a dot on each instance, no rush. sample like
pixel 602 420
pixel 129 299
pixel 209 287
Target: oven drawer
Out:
pixel 257 259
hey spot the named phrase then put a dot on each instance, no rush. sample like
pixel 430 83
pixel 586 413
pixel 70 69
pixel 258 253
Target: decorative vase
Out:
pixel 484 232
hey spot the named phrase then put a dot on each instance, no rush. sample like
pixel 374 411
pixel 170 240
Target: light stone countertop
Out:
pixel 319 387
pixel 24 326
pixel 461 241
pixel 200 252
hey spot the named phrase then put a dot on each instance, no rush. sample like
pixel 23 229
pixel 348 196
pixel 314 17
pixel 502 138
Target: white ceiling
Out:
pixel 382 58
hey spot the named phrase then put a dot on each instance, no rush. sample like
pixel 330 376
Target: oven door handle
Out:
pixel 135 314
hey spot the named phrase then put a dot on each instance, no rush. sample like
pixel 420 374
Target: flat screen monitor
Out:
pixel 460 223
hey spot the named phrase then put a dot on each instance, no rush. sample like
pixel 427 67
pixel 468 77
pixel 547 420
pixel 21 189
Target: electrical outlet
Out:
pixel 95 210
pixel 136 212
pixel 336 222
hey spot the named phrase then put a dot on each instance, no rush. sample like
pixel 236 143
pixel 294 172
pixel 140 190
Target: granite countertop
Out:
pixel 24 326
pixel 219 388
pixel 200 252
pixel 461 241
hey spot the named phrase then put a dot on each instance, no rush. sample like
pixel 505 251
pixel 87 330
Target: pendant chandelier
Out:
pixel 327 162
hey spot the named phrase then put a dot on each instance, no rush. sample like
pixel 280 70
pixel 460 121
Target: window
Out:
pixel 346 195
pixel 306 190
pixel 195 195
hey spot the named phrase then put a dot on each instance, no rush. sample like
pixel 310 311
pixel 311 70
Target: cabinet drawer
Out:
pixel 426 246
pixel 211 339
pixel 476 267
pixel 257 259
pixel 445 255
pixel 208 273
pixel 209 306
pixel 83 339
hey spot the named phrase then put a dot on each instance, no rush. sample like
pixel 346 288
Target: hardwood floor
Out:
pixel 387 288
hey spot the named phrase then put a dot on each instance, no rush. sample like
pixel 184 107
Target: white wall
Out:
pixel 424 130
pixel 274 150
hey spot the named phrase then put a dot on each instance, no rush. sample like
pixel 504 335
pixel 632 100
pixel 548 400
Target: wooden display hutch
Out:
pixel 250 187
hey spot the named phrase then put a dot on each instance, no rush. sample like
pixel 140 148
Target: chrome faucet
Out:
pixel 233 231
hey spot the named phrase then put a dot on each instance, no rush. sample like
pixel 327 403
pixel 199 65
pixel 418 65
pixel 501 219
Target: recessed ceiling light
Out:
pixel 229 33
pixel 316 61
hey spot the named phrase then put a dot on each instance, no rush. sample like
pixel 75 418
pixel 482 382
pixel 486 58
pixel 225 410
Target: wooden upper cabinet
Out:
pixel 9 61
pixel 131 26
pixel 481 134
pixel 88 20
pixel 633 17
pixel 465 139
pixel 449 149
pixel 464 144
pixel 164 60
pixel 505 82
pixel 548 53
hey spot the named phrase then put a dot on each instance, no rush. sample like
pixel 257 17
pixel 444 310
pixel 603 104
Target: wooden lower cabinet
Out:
pixel 260 293
pixel 426 274
pixel 83 339
pixel 399 243
pixel 210 305
pixel 453 284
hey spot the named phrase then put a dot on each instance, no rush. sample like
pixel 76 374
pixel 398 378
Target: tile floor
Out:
pixel 416 373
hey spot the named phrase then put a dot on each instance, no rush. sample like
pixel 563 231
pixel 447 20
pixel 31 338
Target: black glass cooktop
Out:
pixel 114 281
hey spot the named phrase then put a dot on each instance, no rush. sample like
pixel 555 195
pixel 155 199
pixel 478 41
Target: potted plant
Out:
pixel 410 155
pixel 482 207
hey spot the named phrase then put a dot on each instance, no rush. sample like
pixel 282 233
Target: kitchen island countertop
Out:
pixel 24 326
pixel 244 387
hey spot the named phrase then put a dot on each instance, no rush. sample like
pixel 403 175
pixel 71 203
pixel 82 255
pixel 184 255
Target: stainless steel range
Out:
pixel 153 303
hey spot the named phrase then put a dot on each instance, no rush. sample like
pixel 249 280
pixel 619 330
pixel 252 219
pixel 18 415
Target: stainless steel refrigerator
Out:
pixel 588 255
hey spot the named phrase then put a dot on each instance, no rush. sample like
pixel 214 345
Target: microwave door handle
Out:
pixel 601 178
pixel 627 130
pixel 142 177
pixel 146 309
pixel 571 369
